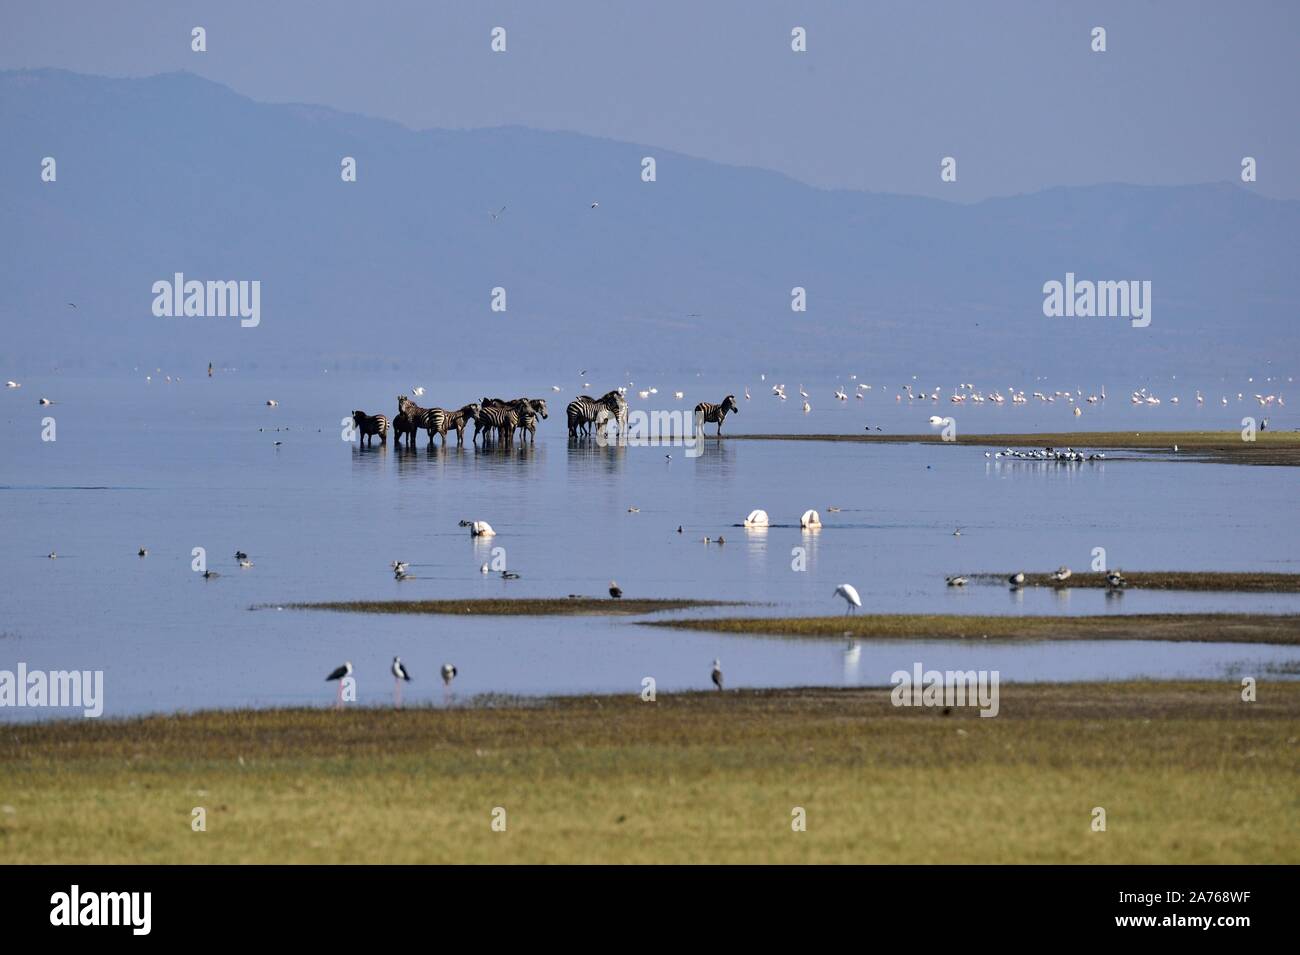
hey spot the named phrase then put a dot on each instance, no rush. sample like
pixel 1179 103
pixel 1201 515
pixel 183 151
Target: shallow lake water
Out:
pixel 193 464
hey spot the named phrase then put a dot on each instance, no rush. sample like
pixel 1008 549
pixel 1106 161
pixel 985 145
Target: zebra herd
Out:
pixel 495 418
pixel 498 419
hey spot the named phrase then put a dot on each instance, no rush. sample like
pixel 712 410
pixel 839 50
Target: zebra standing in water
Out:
pixel 711 413
pixel 583 412
pixel 458 419
pixel 434 422
pixel 369 426
pixel 410 419
pixel 496 418
pixel 529 409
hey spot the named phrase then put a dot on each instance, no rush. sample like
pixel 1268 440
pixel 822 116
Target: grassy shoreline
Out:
pixel 1193 627
pixel 1187 773
pixel 1280 448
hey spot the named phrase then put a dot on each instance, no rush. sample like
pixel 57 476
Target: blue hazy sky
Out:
pixel 886 89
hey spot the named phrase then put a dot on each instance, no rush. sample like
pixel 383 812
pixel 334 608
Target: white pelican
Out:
pixel 245 564
pixel 555 387
pixel 747 392
pixel 271 402
pixel 802 393
pixel 12 384
pixel 1115 579
pixel 1062 573
pixel 957 581
pixel 46 401
pixel 810 519
pixel 481 529
pixel 806 407
pixel 1016 579
pixel 851 599
pixel 419 393
pixel 717 674
pixel 679 395
pixel 935 420
pixel 756 518
pixel 484 569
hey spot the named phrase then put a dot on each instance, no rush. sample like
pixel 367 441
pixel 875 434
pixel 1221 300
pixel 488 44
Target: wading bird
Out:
pixel 1016 579
pixel 717 674
pixel 1062 573
pixel 615 590
pixel 340 674
pixel 851 599
pixel 400 676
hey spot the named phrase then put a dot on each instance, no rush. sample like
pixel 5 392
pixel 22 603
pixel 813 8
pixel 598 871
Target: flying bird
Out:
pixel 497 215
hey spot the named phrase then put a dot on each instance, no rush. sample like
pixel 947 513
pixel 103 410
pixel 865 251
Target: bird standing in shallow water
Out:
pixel 717 674
pixel 340 674
pixel 1016 579
pixel 400 676
pixel 615 590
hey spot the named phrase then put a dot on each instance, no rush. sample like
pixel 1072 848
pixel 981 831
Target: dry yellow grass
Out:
pixel 1186 772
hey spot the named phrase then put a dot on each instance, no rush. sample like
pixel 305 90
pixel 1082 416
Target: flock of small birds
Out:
pixel 1066 455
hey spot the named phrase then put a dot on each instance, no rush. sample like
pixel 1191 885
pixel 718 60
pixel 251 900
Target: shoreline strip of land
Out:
pixel 1186 772
pixel 1282 629
pixel 1281 448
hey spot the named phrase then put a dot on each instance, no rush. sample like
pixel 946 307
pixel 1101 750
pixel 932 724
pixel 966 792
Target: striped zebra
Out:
pixel 529 409
pixel 410 419
pixel 458 419
pixel 416 419
pixel 584 411
pixel 371 425
pixel 434 422
pixel 497 418
pixel 705 412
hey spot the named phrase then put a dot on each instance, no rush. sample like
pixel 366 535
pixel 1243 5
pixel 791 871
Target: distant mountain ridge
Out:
pixel 692 272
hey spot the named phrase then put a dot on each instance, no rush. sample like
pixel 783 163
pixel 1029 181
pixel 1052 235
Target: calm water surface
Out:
pixel 176 466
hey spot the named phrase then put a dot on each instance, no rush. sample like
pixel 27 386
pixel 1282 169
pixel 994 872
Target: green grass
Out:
pixel 1269 447
pixel 1199 627
pixel 1186 772
pixel 517 606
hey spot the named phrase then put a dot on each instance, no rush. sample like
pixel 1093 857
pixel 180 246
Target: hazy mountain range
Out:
pixel 692 272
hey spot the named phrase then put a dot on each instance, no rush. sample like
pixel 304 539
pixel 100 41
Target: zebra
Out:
pixel 458 419
pixel 434 422
pixel 416 417
pixel 495 417
pixel 706 412
pixel 584 411
pixel 371 425
pixel 529 409
pixel 411 417
pixel 403 424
